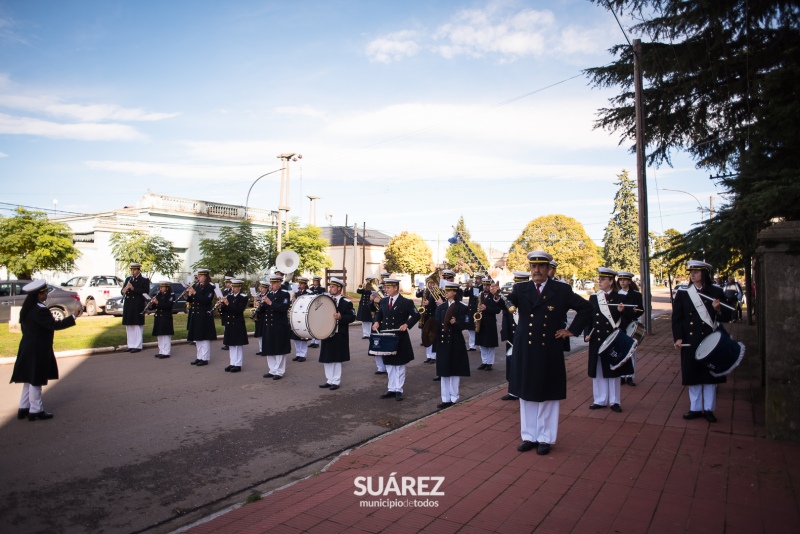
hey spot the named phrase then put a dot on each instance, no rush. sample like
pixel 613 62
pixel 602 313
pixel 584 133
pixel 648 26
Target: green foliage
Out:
pixel 458 257
pixel 408 253
pixel 310 246
pixel 29 242
pixel 662 263
pixel 156 254
pixel 561 236
pixel 236 251
pixel 621 239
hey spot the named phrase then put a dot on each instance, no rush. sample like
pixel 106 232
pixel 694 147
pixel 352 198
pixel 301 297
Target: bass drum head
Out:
pixel 707 346
pixel 311 317
pixel 607 342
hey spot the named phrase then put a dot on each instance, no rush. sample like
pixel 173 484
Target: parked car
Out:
pixel 94 290
pixel 507 287
pixel 588 285
pixel 682 285
pixel 114 304
pixel 61 303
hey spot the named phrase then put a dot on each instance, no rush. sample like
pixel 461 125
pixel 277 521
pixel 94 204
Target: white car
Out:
pixel 94 290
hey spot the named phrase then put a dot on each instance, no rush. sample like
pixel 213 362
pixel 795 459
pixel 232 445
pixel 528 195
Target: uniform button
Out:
pixel 544 325
pixel 530 324
pixel 530 333
pixel 530 343
pixel 531 315
pixel 543 344
pixel 545 317
pixel 544 335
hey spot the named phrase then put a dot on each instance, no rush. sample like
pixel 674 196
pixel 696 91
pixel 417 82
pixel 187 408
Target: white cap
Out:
pixel 539 256
pixel 36 285
pixel 336 281
pixel 605 271
pixel 697 264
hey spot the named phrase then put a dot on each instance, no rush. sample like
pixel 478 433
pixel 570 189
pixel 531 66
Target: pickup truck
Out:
pixel 94 290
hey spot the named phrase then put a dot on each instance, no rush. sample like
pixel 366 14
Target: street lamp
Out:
pixel 312 210
pixel 55 205
pixel 247 202
pixel 283 204
pixel 702 209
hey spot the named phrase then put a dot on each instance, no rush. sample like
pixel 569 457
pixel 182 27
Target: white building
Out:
pixel 360 252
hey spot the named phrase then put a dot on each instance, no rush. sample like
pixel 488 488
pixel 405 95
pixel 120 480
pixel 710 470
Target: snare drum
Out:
pixel 719 353
pixel 311 317
pixel 618 348
pixel 635 331
pixel 383 344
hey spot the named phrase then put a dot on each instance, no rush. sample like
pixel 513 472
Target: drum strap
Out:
pixel 603 303
pixel 702 311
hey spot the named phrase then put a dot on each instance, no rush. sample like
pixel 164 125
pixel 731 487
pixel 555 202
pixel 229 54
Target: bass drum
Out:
pixel 311 317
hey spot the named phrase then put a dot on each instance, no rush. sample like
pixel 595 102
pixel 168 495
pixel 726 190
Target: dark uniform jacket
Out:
pixel 403 312
pixel 336 348
pixel 632 297
pixel 201 325
pixel 316 290
pixel 487 335
pixel 365 308
pixel 36 361
pixel 472 302
pixel 689 327
pixel 538 371
pixel 236 330
pixel 133 301
pixel 276 324
pixel 451 349
pixel 429 303
pixel 600 329
pixel 162 319
pixel 224 314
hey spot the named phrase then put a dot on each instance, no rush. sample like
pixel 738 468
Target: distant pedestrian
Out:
pixel 733 296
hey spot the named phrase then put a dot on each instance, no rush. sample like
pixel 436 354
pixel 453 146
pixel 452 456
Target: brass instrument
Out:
pixel 509 307
pixel 478 315
pixel 256 304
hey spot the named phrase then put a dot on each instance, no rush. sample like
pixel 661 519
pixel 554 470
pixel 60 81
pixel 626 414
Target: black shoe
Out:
pixel 268 375
pixel 509 397
pixel 622 381
pixel 542 449
pixel 526 446
pixel 314 346
pixel 194 362
pixel 127 350
pixel 225 347
pixel 437 378
pixel 277 377
pixel 443 405
pixel 709 416
pixel 388 395
pixel 39 416
pixel 301 360
pixel 488 367
pixel 324 385
pixel 364 337
pixel 259 353
pixel 163 356
pixel 473 349
pixel 481 367
pixel 616 408
pixel 201 363
pixel 22 413
pixel 596 407
pixel 334 387
pixel 192 343
pixel 236 368
pixel 134 351
pixel 158 355
pixel 228 369
pixel 630 381
pixel 398 396
pixel 295 358
pixel 692 415
pixel 381 373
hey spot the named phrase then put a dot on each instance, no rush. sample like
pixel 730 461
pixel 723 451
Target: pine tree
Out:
pixel 459 258
pixel 621 239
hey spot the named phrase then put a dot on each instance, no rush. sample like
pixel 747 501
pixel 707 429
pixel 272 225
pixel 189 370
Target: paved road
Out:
pixel 145 444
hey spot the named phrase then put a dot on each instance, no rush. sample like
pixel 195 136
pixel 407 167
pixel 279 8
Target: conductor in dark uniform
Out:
pixel 396 312
pixel 336 349
pixel 365 309
pixel 163 328
pixel 538 373
pixel 507 329
pixel 277 344
pixel 202 330
pixel 452 360
pixel 36 362
pixel 235 336
pixel 133 291
pixel 694 318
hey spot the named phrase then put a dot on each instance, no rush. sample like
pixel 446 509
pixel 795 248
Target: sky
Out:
pixel 407 114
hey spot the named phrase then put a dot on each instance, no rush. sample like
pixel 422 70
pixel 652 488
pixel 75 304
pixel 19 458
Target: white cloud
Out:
pixel 393 47
pixel 5 80
pixel 304 111
pixel 82 131
pixel 55 107
pixel 3 155
pixel 178 171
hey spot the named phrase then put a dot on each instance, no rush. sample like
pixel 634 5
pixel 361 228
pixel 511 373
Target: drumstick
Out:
pixel 686 344
pixel 707 298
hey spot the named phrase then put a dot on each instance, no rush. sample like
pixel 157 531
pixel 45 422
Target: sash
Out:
pixel 603 303
pixel 702 311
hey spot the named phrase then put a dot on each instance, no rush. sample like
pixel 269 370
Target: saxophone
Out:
pixel 478 315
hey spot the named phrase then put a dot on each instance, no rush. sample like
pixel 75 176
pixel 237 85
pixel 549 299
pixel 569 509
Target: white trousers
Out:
pixel 449 385
pixel 300 347
pixel 333 373
pixel 237 354
pixel 203 350
pixel 397 377
pixel 164 345
pixel 703 397
pixel 471 339
pixel 134 333
pixel 31 398
pixel 539 420
pixel 379 363
pixel 260 344
pixel 277 365
pixel 366 328
pixel 487 355
pixel 633 362
pixel 429 353
pixel 605 390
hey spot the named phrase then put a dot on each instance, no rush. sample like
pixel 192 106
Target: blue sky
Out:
pixel 407 114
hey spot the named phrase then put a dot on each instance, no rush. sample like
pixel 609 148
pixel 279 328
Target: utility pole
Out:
pixel 641 177
pixel 710 207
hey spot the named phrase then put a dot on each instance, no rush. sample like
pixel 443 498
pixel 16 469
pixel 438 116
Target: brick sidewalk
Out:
pixel 643 470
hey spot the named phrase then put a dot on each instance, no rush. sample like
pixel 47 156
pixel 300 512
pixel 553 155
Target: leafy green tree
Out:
pixel 29 242
pixel 561 236
pixel 408 253
pixel 459 258
pixel 236 251
pixel 156 254
pixel 621 239
pixel 310 246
